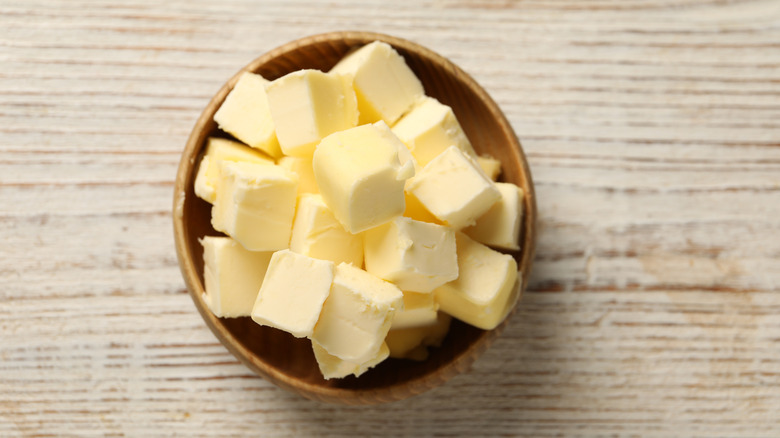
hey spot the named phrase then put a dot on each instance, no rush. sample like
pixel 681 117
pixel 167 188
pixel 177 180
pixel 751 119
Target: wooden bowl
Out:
pixel 289 362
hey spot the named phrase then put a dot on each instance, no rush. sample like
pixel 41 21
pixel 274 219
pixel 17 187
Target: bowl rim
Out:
pixel 418 384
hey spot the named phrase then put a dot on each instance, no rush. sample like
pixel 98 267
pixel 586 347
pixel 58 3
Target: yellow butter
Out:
pixel 316 233
pixel 415 210
pixel 332 367
pixel 293 292
pixel 415 256
pixel 361 174
pixel 232 276
pixel 218 150
pixel 486 289
pixel 413 342
pixel 430 128
pixel 453 188
pixel 245 115
pixel 308 105
pixel 357 314
pixel 420 309
pixel 203 189
pixel 499 227
pixel 301 166
pixel 489 165
pixel 384 84
pixel 255 204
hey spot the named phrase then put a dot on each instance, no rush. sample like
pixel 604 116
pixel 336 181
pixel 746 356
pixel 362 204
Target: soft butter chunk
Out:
pixel 413 342
pixel 361 174
pixel 384 84
pixel 430 128
pixel 332 367
pixel 453 188
pixel 415 256
pixel 489 165
pixel 301 166
pixel 357 314
pixel 245 115
pixel 255 204
pixel 308 105
pixel 419 310
pixel 316 233
pixel 486 289
pixel 293 292
pixel 232 276
pixel 218 150
pixel 499 227
pixel 415 210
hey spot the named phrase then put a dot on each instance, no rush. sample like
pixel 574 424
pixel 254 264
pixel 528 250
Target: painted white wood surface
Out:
pixel 653 132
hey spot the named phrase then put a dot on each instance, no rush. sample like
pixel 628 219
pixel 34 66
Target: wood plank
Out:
pixel 653 132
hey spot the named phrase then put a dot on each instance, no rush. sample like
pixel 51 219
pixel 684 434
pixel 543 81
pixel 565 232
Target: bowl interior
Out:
pixel 278 356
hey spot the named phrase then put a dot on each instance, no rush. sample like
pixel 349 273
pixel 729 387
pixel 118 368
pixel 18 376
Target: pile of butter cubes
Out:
pixel 355 213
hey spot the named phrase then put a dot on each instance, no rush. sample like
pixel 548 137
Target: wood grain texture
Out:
pixel 651 128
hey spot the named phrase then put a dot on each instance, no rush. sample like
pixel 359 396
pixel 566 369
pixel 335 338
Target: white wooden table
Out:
pixel 653 133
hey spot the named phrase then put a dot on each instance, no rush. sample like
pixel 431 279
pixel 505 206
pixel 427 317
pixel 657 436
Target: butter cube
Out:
pixel 357 314
pixel 316 233
pixel 384 84
pixel 232 276
pixel 255 205
pixel 499 227
pixel 420 309
pixel 454 189
pixel 430 128
pixel 415 210
pixel 413 342
pixel 301 166
pixel 308 105
pixel 489 165
pixel 361 175
pixel 293 292
pixel 245 115
pixel 415 256
pixel 202 188
pixel 486 289
pixel 332 367
pixel 218 150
